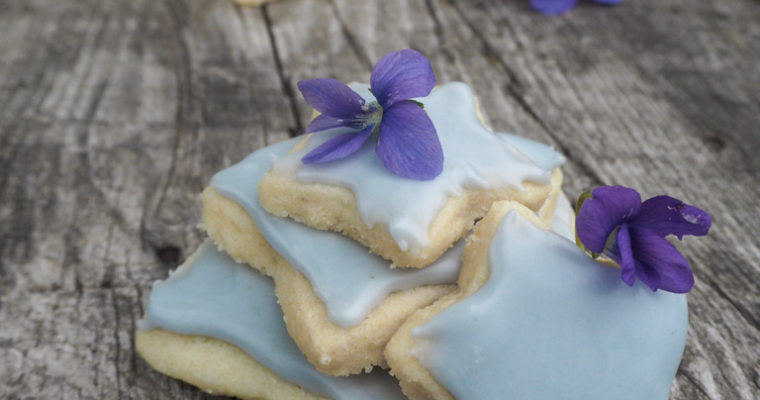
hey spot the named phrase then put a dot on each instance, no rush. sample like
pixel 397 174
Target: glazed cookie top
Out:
pixel 344 275
pixel 473 158
pixel 211 295
pixel 563 220
pixel 552 323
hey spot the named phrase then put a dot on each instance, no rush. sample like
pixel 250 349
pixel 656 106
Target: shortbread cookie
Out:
pixel 341 304
pixel 535 318
pixel 214 366
pixel 556 201
pixel 563 222
pixel 216 324
pixel 413 222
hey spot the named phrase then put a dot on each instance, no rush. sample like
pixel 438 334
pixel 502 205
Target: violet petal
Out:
pixel 332 97
pixel 324 122
pixel 552 7
pixel 408 145
pixel 659 265
pixel 401 75
pixel 608 207
pixel 627 263
pixel 668 216
pixel 339 147
pixel 610 2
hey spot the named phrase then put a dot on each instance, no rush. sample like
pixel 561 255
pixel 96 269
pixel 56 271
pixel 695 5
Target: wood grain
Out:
pixel 114 115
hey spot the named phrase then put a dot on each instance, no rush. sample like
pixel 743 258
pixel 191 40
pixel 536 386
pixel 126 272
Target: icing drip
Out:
pixel 474 158
pixel 349 280
pixel 329 260
pixel 211 295
pixel 563 220
pixel 551 323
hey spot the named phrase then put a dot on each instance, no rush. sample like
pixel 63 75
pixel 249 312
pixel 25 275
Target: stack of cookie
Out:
pixel 376 260
pixel 352 251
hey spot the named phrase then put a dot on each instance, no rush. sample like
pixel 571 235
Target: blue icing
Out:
pixel 213 296
pixel 550 324
pixel 563 221
pixel 539 153
pixel 474 158
pixel 348 279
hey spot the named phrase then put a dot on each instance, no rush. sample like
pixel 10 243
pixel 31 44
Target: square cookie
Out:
pixel 535 317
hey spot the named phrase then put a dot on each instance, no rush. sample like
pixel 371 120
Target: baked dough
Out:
pixel 333 350
pixel 416 381
pixel 214 366
pixel 334 208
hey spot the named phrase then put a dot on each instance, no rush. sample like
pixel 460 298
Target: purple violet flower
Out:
pixel 614 222
pixel 555 7
pixel 407 143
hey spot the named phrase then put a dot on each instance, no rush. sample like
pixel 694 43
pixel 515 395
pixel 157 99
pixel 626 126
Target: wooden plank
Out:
pixel 114 117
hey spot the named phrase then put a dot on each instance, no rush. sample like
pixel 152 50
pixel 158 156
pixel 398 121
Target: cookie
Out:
pixel 563 221
pixel 535 317
pixel 411 223
pixel 216 324
pixel 214 366
pixel 341 304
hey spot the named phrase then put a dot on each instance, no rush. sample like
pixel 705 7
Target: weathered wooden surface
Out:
pixel 114 115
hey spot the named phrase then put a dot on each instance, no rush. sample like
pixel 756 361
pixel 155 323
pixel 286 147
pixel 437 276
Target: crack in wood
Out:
pixel 117 341
pixel 350 38
pixel 437 26
pixel 133 319
pixel 751 319
pixel 284 79
pixel 184 98
pixel 695 384
pixel 440 33
pixel 252 96
pixel 169 254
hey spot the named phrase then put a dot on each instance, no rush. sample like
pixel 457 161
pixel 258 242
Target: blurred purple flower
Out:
pixel 614 222
pixel 407 143
pixel 554 7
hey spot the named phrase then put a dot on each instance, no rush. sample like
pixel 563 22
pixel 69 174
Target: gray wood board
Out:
pixel 114 115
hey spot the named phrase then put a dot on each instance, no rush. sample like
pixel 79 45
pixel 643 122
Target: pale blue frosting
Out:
pixel 563 221
pixel 344 275
pixel 474 158
pixel 551 324
pixel 211 295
